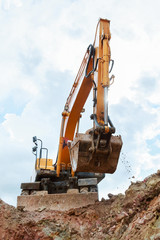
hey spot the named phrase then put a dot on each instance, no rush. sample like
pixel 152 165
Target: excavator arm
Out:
pixel 72 112
pixel 93 74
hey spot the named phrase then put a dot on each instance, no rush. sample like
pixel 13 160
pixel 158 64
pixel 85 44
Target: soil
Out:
pixel 134 215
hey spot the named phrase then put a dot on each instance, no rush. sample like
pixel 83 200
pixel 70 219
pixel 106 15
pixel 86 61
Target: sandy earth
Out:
pixel 135 215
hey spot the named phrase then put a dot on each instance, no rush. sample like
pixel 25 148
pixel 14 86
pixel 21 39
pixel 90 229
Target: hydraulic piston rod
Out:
pixel 106 106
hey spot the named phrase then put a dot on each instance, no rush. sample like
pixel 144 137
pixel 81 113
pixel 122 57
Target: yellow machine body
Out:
pixel 44 163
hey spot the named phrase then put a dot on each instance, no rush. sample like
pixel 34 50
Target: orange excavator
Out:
pixel 83 158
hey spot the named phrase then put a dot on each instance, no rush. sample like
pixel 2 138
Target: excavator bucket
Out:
pixel 102 160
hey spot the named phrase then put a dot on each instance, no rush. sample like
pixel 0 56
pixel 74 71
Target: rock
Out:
pixel 103 200
pixel 84 190
pixel 121 216
pixel 133 216
pixel 130 211
pixel 110 195
pixel 155 237
pixel 153 182
pixel 41 209
pixel 158 172
pixel 21 208
pixel 72 191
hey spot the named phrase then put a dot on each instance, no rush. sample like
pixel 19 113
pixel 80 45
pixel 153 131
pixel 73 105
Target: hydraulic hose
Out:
pixel 91 50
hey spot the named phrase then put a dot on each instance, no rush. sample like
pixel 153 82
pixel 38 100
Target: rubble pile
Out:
pixel 135 215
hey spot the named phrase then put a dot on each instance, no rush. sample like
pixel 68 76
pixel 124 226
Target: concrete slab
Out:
pixel 60 202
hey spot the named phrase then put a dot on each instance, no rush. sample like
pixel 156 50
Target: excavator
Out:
pixel 82 158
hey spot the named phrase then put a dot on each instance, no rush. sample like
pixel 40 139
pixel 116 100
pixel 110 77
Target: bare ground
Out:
pixel 135 216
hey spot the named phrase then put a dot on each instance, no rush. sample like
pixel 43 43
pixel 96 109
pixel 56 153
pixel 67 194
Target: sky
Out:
pixel 42 43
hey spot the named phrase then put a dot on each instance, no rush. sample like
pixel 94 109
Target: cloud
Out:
pixel 41 116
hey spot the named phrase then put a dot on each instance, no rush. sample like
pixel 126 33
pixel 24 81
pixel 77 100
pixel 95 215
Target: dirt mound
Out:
pixel 135 215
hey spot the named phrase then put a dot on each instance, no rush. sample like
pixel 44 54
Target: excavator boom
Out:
pixel 98 150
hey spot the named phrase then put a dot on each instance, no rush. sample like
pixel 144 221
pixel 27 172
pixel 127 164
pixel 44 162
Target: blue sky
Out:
pixel 42 45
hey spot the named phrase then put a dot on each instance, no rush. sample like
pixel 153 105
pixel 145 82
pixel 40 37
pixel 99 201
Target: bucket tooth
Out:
pixel 103 160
